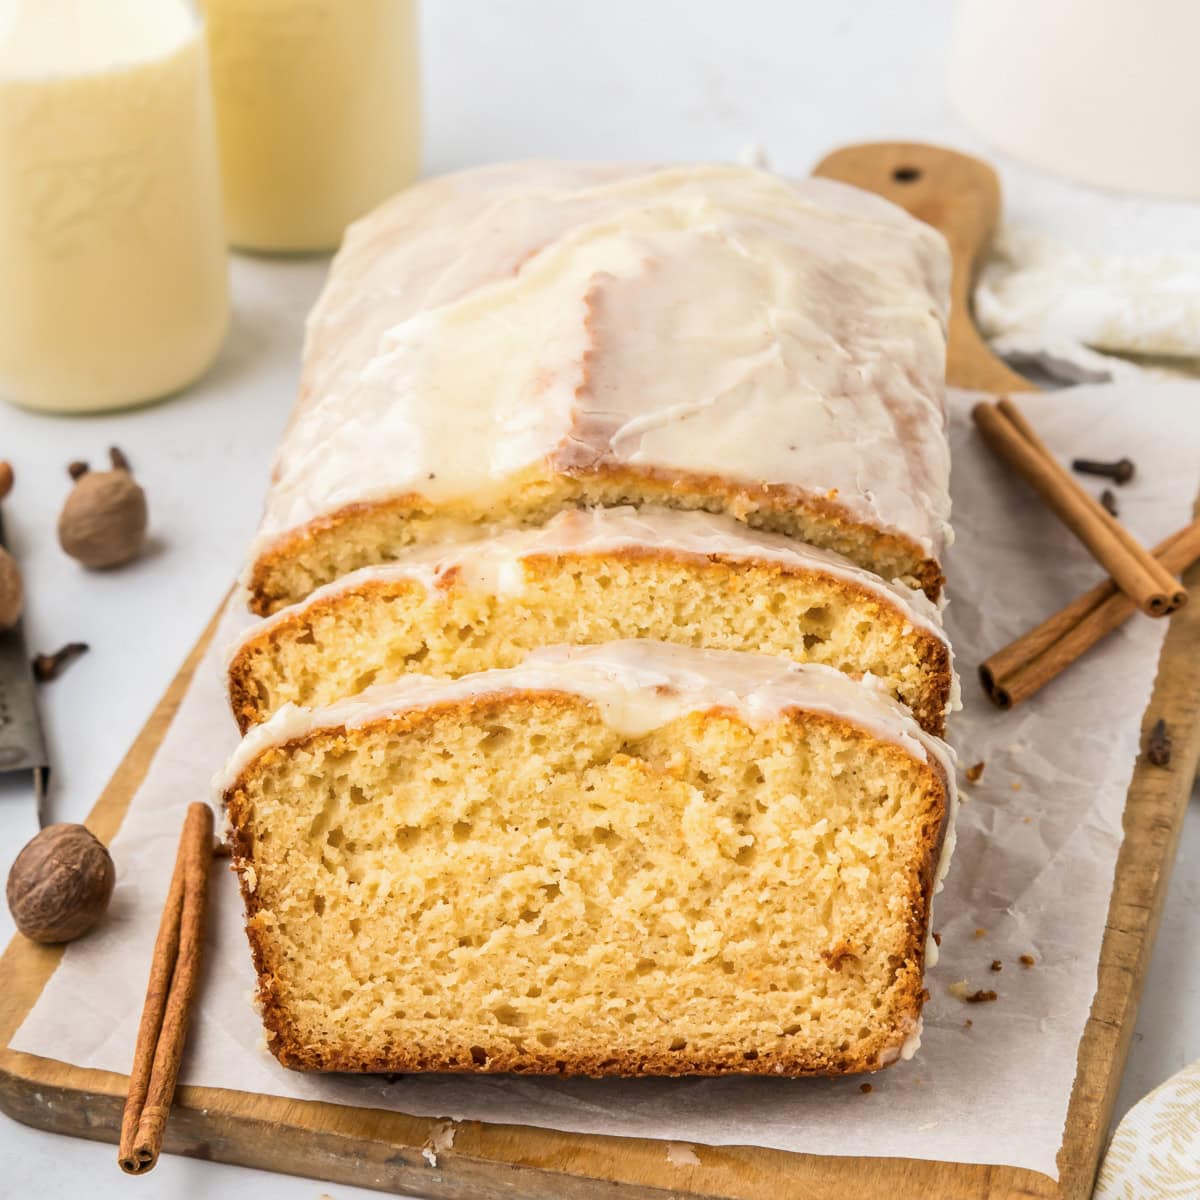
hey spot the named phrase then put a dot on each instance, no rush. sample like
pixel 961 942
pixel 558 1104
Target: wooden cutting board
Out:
pixel 373 1148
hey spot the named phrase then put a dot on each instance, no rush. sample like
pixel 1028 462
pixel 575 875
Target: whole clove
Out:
pixel 1120 471
pixel 1158 745
pixel 50 666
pixel 1108 501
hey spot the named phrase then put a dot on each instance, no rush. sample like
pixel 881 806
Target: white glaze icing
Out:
pixel 541 318
pixel 912 1042
pixel 495 564
pixel 903 1050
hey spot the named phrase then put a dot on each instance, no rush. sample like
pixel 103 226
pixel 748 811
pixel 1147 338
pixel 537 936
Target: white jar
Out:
pixel 113 269
pixel 317 114
pixel 1104 92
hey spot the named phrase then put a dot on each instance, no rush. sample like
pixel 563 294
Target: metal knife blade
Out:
pixel 22 746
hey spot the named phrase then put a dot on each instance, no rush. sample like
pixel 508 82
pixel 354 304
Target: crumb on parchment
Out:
pixel 961 990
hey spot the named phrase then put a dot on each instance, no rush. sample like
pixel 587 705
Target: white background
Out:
pixel 649 79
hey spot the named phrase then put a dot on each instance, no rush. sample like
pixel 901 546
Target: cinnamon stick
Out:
pixel 1176 594
pixel 174 974
pixel 1033 660
pixel 1134 569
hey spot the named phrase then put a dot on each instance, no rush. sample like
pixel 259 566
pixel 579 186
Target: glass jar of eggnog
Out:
pixel 317 114
pixel 113 269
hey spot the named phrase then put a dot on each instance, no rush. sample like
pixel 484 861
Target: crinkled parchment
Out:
pixel 1038 840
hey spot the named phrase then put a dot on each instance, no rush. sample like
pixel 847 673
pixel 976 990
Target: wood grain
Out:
pixel 379 1149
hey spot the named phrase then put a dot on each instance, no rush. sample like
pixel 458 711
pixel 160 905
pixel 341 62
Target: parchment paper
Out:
pixel 1038 840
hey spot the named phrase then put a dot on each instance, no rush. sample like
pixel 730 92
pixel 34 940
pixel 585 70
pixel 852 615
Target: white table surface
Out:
pixel 672 80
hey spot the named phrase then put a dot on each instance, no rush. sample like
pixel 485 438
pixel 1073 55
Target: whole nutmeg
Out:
pixel 12 594
pixel 60 884
pixel 103 522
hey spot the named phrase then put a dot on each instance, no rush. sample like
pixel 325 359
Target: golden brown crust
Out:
pixel 759 505
pixel 242 696
pixel 880 1049
pixel 933 653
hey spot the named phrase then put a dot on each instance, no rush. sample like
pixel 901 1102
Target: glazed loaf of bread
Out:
pixel 496 345
pixel 592 724
pixel 627 859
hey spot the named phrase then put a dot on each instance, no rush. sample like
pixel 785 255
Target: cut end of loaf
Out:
pixel 509 884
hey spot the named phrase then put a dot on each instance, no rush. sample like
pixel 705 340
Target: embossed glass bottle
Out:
pixel 317 114
pixel 113 270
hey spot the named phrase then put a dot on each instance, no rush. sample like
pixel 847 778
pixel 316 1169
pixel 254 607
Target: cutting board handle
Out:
pixel 960 197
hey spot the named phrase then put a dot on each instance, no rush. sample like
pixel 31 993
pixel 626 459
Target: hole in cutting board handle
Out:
pixel 906 174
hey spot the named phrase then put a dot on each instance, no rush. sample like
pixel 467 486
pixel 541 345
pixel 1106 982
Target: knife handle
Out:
pixel 960 197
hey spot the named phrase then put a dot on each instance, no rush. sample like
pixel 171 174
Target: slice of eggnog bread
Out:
pixel 629 859
pixel 588 577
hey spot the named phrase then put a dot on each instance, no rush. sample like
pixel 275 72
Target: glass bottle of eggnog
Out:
pixel 317 114
pixel 113 270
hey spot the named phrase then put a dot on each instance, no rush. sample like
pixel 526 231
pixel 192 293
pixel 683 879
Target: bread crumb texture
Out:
pixel 508 884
